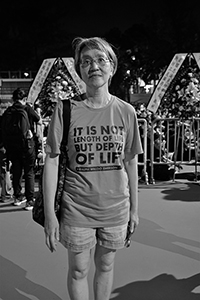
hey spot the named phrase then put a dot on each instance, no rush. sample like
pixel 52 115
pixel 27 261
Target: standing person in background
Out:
pixel 39 143
pixel 5 181
pixel 34 119
pixel 20 146
pixel 100 199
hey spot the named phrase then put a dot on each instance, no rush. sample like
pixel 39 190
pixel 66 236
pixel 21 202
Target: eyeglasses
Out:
pixel 100 61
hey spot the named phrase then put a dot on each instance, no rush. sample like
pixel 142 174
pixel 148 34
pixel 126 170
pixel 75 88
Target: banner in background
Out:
pixel 197 58
pixel 39 79
pixel 165 81
pixel 69 62
pixel 43 73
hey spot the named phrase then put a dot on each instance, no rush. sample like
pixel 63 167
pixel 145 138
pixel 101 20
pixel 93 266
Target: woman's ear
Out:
pixel 111 71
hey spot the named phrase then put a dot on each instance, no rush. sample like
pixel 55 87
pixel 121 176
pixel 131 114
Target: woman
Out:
pixel 100 194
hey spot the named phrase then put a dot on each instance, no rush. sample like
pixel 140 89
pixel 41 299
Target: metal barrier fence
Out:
pixel 169 142
pixel 174 143
pixel 142 158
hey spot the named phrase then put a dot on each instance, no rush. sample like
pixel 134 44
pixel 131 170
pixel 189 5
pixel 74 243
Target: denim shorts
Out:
pixel 78 239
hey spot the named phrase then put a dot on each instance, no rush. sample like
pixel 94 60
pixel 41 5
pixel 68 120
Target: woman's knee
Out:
pixel 78 273
pixel 79 264
pixel 104 259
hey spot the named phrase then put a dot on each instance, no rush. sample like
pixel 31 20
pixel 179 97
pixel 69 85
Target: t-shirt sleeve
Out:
pixel 32 114
pixel 55 130
pixel 133 144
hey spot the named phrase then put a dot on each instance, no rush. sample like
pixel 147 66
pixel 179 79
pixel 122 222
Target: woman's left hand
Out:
pixel 51 229
pixel 134 222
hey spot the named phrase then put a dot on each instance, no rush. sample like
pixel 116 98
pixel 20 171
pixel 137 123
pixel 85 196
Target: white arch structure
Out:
pixel 167 78
pixel 44 71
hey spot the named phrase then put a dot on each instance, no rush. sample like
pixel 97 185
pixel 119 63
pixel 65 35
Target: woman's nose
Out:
pixel 94 64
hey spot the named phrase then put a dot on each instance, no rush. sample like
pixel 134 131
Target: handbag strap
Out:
pixel 66 121
pixel 67 116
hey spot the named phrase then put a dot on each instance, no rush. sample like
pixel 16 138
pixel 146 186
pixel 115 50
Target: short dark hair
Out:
pixel 18 94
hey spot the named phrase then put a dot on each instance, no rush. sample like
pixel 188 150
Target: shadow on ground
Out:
pixel 15 285
pixel 9 207
pixel 188 175
pixel 190 192
pixel 151 234
pixel 164 286
pixel 179 190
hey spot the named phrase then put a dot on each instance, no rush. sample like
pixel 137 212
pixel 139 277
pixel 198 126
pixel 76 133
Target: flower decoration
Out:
pixel 58 85
pixel 182 99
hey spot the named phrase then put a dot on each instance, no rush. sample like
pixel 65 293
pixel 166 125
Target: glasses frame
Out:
pixel 85 65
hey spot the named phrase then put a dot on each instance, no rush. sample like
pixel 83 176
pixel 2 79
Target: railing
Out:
pixel 17 74
pixel 142 158
pixel 174 142
pixel 8 85
pixel 168 142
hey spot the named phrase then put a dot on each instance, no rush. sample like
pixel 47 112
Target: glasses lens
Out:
pixel 100 61
pixel 85 63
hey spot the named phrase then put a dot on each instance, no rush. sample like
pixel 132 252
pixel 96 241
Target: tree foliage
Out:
pixel 30 34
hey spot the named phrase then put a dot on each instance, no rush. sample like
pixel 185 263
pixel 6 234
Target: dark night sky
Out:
pixel 103 17
pixel 82 17
pixel 93 17
pixel 90 18
pixel 37 22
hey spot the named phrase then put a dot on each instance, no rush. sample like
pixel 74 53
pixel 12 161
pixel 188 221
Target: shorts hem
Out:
pixel 111 246
pixel 75 248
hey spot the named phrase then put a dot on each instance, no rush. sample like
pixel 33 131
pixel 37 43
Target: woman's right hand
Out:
pixel 50 178
pixel 51 229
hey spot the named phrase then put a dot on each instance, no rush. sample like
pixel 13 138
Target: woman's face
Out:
pixel 95 68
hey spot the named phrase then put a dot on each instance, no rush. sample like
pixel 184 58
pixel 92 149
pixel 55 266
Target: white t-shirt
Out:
pixel 96 192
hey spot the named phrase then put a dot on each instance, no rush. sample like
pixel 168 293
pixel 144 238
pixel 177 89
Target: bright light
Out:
pixel 148 88
pixel 141 82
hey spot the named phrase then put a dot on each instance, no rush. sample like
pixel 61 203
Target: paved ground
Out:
pixel 163 262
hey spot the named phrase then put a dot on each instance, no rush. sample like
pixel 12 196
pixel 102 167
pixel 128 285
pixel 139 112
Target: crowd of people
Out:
pixel 19 148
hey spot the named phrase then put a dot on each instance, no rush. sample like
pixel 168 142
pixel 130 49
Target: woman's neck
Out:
pixel 97 99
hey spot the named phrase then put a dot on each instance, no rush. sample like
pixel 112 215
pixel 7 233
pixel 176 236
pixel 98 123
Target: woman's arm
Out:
pixel 132 172
pixel 50 178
